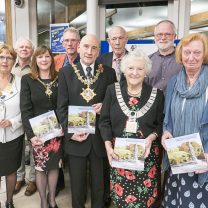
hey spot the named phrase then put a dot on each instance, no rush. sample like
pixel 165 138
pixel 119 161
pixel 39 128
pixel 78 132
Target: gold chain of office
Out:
pixel 85 80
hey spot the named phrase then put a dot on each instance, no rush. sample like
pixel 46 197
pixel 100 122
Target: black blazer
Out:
pixel 34 102
pixel 69 94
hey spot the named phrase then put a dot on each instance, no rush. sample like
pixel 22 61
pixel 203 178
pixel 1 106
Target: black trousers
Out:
pixel 78 174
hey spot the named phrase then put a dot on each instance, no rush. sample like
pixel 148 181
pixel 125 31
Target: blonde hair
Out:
pixel 188 39
pixel 10 49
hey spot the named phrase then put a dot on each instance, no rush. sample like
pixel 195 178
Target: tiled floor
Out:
pixel 22 201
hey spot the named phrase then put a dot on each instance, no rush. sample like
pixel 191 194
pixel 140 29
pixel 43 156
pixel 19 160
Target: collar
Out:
pixel 18 65
pixel 85 66
pixel 170 54
pixel 115 57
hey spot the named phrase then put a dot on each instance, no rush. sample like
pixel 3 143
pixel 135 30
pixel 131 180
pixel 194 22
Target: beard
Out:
pixel 165 46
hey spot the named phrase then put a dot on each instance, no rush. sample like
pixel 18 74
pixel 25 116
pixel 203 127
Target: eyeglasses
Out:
pixel 70 40
pixel 195 53
pixel 166 35
pixel 8 58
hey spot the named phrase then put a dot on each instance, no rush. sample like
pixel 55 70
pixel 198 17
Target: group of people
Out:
pixel 126 90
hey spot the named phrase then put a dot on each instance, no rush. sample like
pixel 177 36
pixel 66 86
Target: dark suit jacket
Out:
pixel 107 59
pixel 69 94
pixel 34 102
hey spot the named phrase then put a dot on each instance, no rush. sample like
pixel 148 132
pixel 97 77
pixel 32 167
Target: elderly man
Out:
pixel 163 61
pixel 24 48
pixel 117 38
pixel 70 42
pixel 84 84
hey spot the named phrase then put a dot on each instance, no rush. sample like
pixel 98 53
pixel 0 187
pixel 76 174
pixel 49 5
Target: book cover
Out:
pixel 81 119
pixel 46 126
pixel 130 153
pixel 186 154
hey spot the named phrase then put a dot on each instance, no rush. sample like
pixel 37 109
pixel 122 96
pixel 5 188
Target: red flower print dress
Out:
pixel 136 189
pixel 48 156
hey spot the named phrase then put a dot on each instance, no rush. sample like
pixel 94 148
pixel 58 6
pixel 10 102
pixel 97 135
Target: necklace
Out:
pixel 87 93
pixel 48 86
pixel 125 108
pixel 8 86
pixel 135 94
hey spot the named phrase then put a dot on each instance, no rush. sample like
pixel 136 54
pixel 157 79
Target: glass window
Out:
pixel 2 22
pixel 56 11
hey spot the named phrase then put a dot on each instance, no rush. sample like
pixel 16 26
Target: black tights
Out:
pixel 10 186
pixel 42 180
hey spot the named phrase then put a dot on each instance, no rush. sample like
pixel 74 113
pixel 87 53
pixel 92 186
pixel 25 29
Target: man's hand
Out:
pixel 97 107
pixel 80 137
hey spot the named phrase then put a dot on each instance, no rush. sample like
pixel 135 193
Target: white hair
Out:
pixel 21 39
pixel 137 54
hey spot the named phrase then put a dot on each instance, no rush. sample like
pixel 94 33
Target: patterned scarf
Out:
pixel 188 103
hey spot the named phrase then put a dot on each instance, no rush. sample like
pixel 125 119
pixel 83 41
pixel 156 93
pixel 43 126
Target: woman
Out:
pixel 38 96
pixel 186 112
pixel 134 188
pixel 11 131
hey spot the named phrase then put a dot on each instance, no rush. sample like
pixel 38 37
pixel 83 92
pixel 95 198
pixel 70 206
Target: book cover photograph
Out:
pixel 46 126
pixel 130 153
pixel 186 154
pixel 81 119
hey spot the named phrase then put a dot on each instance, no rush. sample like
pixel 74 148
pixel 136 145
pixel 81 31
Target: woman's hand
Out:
pixel 148 144
pixel 80 137
pixel 97 107
pixel 4 123
pixel 166 135
pixel 110 152
pixel 36 141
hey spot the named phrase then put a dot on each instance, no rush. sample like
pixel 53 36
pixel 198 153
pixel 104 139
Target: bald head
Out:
pixel 88 49
pixel 117 38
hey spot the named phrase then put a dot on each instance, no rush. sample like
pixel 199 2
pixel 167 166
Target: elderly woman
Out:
pixel 134 188
pixel 186 112
pixel 11 131
pixel 38 96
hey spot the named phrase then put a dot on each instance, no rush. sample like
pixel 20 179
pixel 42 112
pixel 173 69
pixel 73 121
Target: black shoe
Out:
pixel 10 205
pixel 49 206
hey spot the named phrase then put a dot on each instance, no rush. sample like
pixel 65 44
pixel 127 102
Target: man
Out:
pixel 84 84
pixel 164 65
pixel 117 38
pixel 163 61
pixel 71 39
pixel 24 48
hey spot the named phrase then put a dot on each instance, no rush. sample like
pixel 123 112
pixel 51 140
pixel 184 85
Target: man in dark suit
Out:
pixel 117 38
pixel 84 84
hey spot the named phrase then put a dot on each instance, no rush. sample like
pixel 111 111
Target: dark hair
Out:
pixel 34 67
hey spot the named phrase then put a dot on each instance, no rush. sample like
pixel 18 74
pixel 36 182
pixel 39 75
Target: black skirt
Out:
pixel 10 156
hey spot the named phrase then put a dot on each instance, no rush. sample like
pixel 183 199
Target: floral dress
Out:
pixel 136 189
pixel 48 155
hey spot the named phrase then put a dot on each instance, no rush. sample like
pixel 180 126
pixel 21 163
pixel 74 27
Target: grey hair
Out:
pixel 166 21
pixel 137 54
pixel 118 27
pixel 72 30
pixel 21 39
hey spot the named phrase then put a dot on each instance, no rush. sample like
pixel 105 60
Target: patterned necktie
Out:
pixel 89 74
pixel 118 71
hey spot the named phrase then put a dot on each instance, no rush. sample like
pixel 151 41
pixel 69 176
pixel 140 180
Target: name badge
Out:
pixel 131 126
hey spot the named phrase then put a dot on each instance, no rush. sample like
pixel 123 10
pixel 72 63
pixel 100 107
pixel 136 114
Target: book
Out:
pixel 46 126
pixel 81 119
pixel 130 152
pixel 186 154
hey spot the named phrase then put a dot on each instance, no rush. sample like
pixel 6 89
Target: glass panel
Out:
pixel 56 11
pixel 2 22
